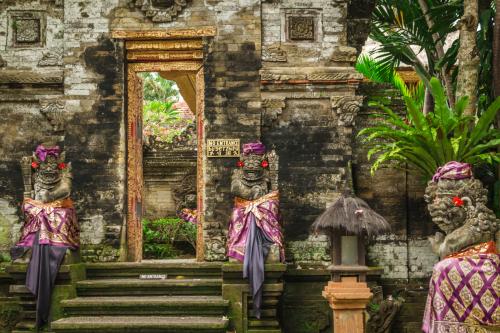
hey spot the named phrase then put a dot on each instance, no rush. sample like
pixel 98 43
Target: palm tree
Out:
pixel 404 29
pixel 407 28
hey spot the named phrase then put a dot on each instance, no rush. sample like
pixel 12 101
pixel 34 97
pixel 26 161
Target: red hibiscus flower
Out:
pixel 457 201
pixel 264 164
pixel 34 165
pixel 61 166
pixel 240 164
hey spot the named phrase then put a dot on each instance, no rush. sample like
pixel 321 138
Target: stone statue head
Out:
pixel 48 162
pixel 445 209
pixel 254 161
pixel 51 174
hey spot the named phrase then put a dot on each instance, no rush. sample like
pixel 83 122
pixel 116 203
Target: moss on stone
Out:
pixel 10 314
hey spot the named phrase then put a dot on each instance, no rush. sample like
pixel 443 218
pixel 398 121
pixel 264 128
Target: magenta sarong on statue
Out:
pixel 266 212
pixel 55 223
pixel 49 230
pixel 464 295
pixel 253 229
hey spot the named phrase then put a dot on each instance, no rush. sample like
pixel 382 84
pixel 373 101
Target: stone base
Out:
pixel 237 291
pixel 348 299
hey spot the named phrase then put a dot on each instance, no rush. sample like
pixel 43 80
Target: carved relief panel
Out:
pixel 26 29
pixel 301 25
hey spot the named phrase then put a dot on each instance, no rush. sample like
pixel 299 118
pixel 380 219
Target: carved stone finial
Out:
pixel 347 107
pixel 274 54
pixel 53 110
pixel 50 59
pixel 160 10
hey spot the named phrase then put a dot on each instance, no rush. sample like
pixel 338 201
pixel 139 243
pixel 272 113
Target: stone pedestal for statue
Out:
pixel 348 300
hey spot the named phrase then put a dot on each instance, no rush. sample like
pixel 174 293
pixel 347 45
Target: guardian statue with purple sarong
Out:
pixel 50 226
pixel 464 291
pixel 255 228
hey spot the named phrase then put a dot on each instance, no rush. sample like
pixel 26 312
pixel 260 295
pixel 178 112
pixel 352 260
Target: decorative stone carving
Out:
pixel 382 316
pixel 344 54
pixel 346 107
pixel 187 138
pixel 274 54
pixel 458 207
pixel 333 75
pixel 160 10
pixel 51 59
pixel 27 29
pixel 215 247
pixel 53 110
pixel 271 110
pixel 185 193
pixel 301 28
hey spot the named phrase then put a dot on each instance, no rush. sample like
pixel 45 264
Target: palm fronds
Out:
pixel 427 142
pixel 375 71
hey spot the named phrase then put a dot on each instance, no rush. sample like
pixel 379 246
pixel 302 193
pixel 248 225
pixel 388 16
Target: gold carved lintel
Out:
pixel 186 44
pixel 209 31
pixel 164 55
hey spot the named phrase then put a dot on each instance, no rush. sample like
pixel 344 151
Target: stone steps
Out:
pixel 172 269
pixel 142 324
pixel 115 299
pixel 146 305
pixel 128 287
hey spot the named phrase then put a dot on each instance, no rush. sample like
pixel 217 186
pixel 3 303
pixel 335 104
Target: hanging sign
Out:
pixel 223 148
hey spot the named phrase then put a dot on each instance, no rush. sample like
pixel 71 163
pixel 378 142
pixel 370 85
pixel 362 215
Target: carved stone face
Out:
pixel 252 168
pixel 444 212
pixel 48 171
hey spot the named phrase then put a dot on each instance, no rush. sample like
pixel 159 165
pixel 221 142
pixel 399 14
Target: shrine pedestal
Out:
pixel 348 299
pixel 236 290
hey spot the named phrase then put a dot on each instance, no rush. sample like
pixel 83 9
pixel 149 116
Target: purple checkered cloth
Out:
pixel 464 295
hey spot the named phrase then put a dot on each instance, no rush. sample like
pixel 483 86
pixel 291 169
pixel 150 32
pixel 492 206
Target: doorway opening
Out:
pixel 165 101
pixel 169 165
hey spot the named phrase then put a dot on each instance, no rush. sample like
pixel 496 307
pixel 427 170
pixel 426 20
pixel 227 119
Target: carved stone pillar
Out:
pixel 348 300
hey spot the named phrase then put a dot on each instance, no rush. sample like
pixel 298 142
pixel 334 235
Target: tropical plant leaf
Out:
pixel 427 142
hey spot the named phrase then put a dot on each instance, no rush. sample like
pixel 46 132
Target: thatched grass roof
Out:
pixel 352 215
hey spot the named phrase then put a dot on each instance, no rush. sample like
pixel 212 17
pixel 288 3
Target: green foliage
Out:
pixel 159 236
pixel 157 88
pixel 375 71
pixel 161 120
pixel 400 28
pixel 429 141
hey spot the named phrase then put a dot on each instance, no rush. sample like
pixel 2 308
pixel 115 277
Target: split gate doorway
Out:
pixel 176 60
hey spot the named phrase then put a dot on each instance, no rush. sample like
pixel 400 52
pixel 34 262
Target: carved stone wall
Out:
pixel 280 71
pixel 164 170
pixel 405 254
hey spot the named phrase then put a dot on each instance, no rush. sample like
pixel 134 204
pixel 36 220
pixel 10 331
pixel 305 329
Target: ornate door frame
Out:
pixel 134 142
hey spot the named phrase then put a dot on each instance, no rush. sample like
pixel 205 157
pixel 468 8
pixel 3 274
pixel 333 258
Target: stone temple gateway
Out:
pixel 278 71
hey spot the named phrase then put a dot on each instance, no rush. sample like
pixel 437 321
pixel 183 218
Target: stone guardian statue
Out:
pixel 255 228
pixel 50 226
